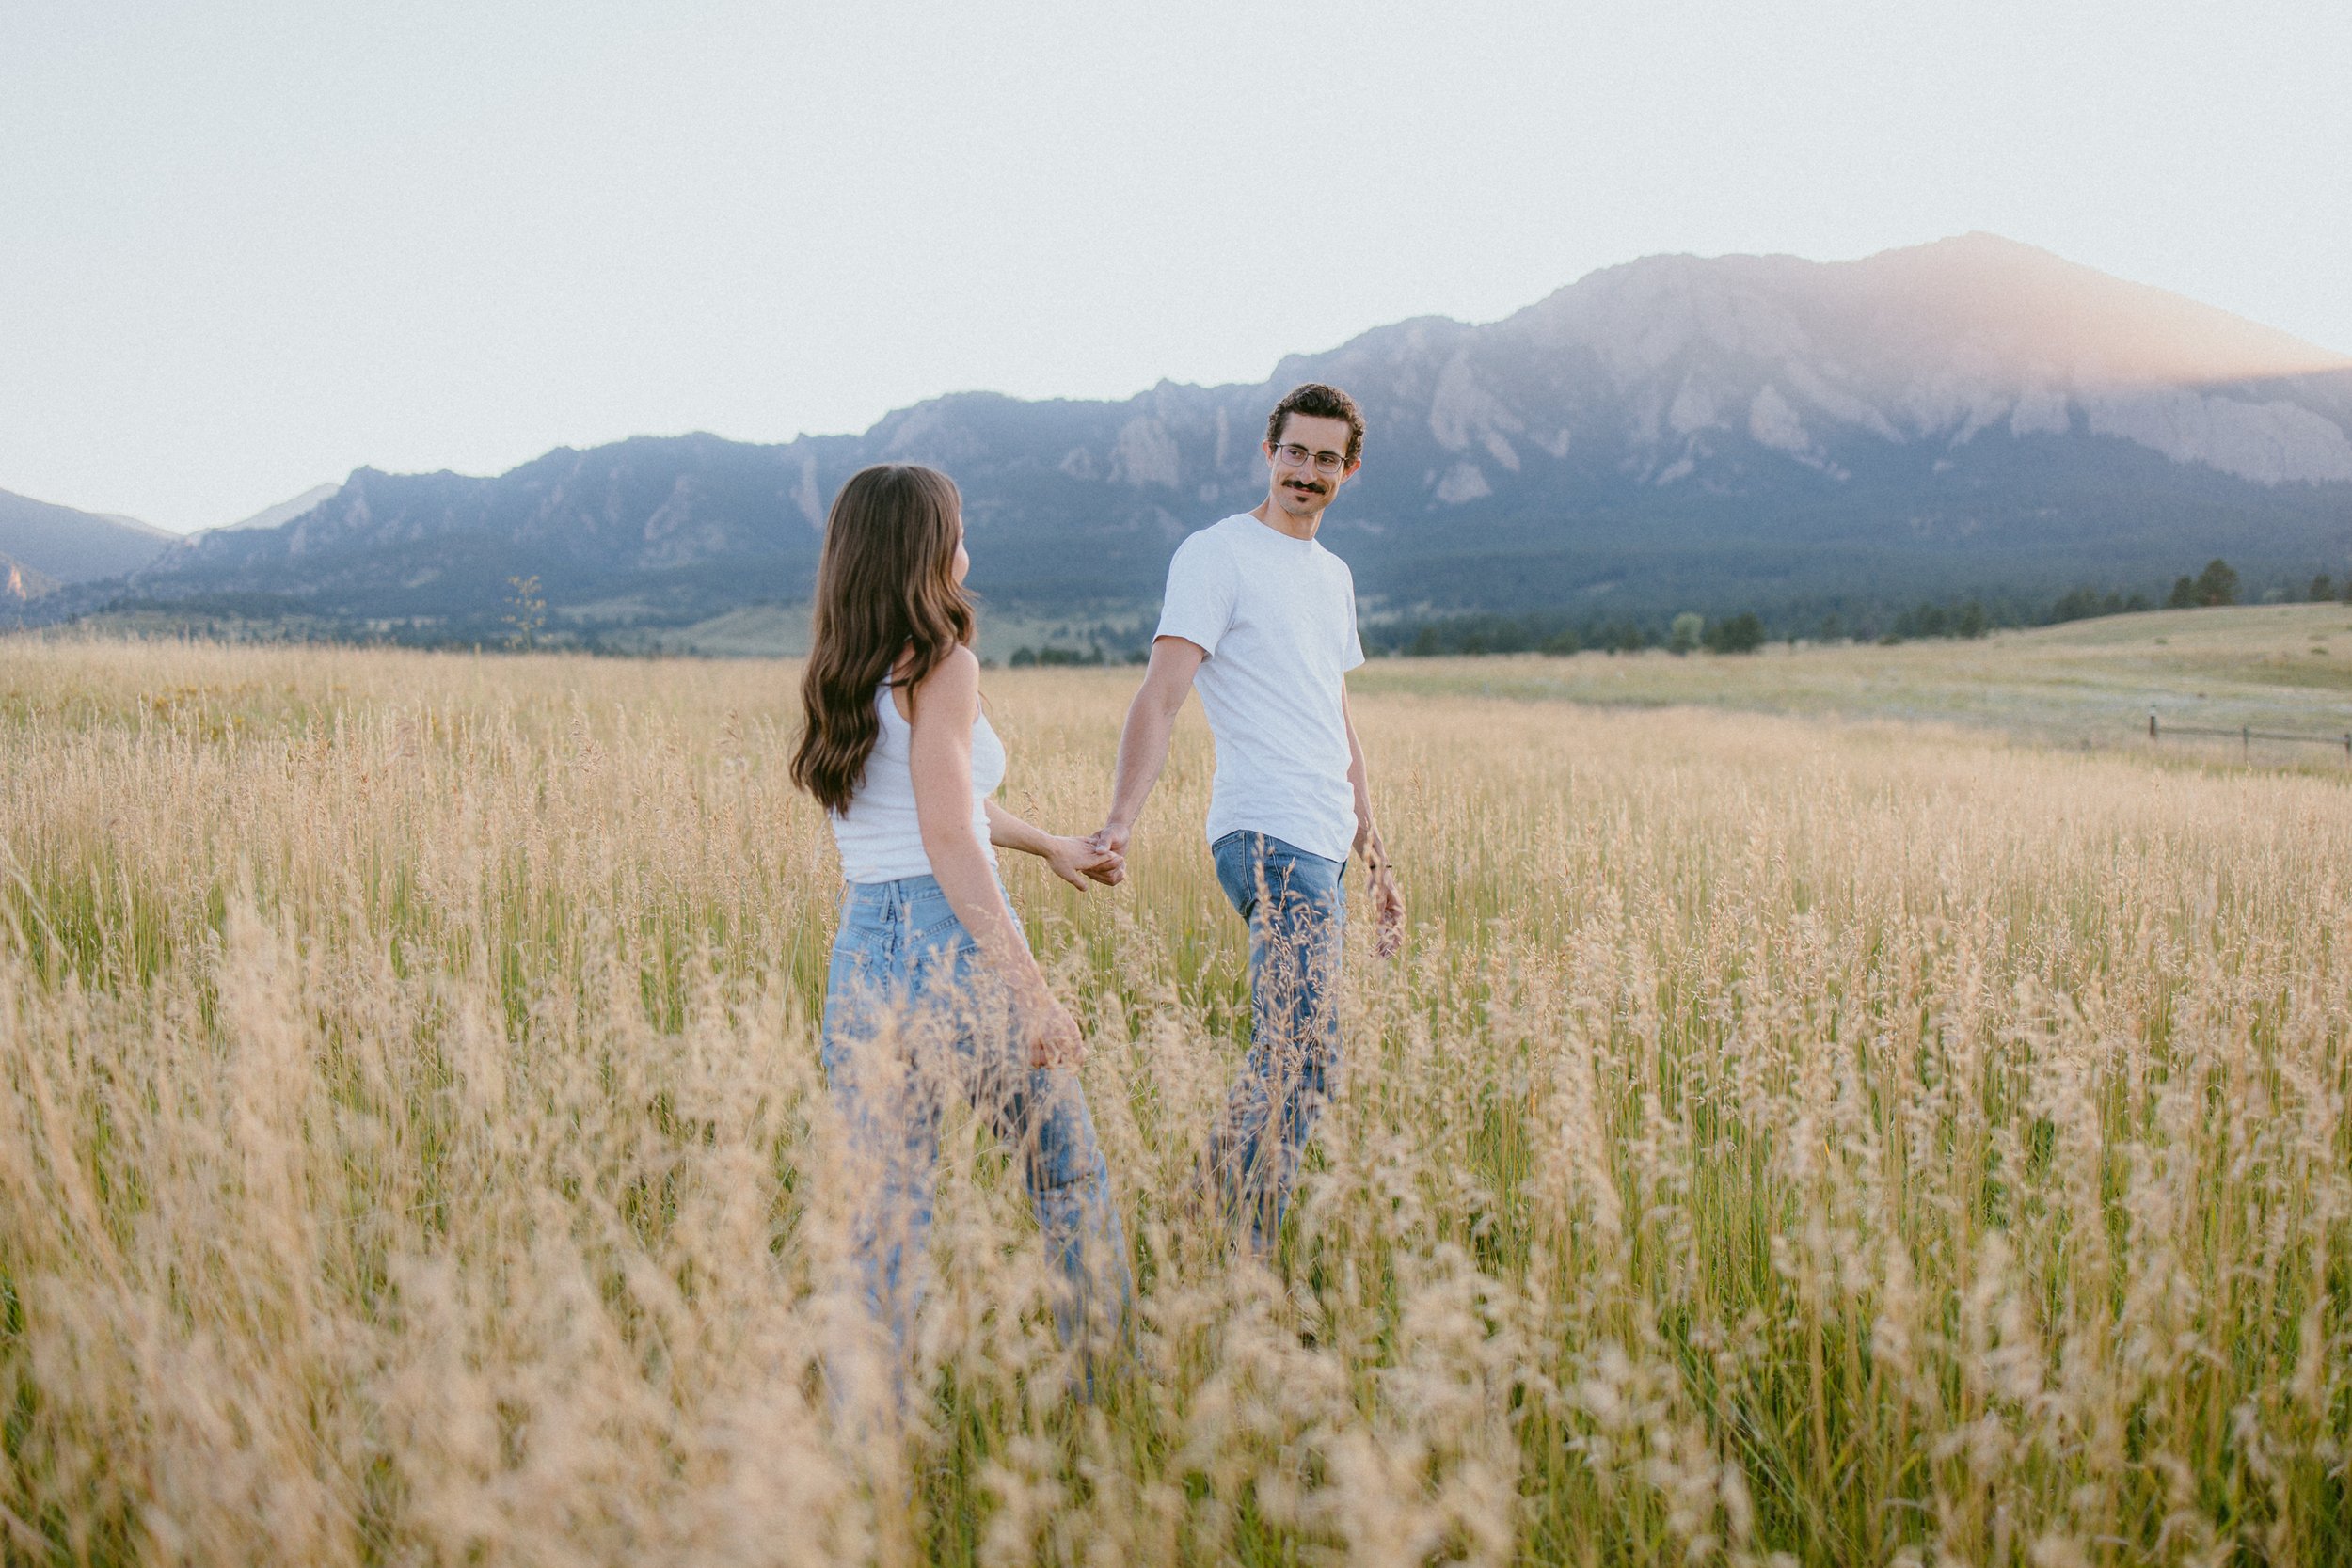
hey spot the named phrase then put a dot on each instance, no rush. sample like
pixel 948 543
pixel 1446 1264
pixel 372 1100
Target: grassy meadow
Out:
pixel 1784 1139
pixel 2281 668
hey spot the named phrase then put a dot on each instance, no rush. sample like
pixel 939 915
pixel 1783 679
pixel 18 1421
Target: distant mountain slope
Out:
pixel 19 583
pixel 670 525
pixel 1740 432
pixel 284 512
pixel 67 547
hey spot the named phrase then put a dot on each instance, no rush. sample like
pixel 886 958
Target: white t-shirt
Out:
pixel 1276 616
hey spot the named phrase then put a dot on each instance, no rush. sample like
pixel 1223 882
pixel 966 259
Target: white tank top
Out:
pixel 879 837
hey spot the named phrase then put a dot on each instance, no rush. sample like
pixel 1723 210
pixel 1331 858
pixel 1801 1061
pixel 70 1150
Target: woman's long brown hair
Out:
pixel 886 586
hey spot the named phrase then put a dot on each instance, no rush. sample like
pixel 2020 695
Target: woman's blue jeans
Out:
pixel 913 1020
pixel 1296 906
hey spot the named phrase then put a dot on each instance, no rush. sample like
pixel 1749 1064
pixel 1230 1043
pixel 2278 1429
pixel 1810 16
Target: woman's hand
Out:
pixel 1053 1037
pixel 1073 860
pixel 1076 860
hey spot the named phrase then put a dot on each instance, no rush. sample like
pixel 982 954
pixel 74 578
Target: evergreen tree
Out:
pixel 2216 584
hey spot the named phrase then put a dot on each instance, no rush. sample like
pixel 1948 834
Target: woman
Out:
pixel 932 991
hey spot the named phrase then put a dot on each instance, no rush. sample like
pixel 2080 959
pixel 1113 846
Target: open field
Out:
pixel 2287 668
pixel 1848 1140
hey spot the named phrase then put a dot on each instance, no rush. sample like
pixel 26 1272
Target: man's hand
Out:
pixel 1111 842
pixel 1387 902
pixel 1388 908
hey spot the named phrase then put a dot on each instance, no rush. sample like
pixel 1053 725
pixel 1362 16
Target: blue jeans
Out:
pixel 913 1019
pixel 1296 906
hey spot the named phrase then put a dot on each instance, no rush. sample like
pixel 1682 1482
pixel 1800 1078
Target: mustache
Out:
pixel 1302 484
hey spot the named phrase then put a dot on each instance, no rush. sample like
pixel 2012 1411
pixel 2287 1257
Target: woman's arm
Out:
pixel 1073 860
pixel 944 705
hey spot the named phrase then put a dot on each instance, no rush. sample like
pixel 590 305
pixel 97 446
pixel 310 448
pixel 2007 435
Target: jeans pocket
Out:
pixel 1237 869
pixel 928 925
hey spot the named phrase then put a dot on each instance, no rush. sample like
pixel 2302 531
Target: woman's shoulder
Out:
pixel 954 683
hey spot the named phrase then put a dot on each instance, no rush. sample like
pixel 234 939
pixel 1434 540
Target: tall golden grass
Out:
pixel 1780 1142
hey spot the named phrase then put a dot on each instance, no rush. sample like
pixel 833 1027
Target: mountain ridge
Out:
pixel 1728 432
pixel 60 545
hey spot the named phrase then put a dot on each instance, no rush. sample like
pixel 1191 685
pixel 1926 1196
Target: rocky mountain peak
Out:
pixel 1677 429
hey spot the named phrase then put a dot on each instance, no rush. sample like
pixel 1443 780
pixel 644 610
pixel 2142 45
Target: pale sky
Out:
pixel 248 245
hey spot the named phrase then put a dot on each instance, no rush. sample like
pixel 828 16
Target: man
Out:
pixel 1261 619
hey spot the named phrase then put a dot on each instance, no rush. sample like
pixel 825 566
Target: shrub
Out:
pixel 1742 633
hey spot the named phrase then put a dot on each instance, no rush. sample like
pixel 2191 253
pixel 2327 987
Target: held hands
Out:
pixel 1112 841
pixel 1077 861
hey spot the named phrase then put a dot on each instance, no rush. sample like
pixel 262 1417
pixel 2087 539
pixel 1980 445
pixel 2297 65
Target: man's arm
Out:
pixel 1143 744
pixel 1388 903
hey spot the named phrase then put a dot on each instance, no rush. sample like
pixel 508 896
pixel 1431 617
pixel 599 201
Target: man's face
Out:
pixel 1303 486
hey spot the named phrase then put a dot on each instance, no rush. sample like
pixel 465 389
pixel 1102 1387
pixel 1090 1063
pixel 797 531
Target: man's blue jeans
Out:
pixel 912 1019
pixel 1296 906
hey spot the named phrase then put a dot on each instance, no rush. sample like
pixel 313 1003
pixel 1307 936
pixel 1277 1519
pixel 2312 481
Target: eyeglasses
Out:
pixel 1290 454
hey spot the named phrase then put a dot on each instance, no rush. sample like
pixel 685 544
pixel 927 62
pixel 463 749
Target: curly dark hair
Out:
pixel 1319 402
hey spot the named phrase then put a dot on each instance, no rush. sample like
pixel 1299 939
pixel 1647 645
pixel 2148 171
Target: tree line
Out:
pixel 1476 632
